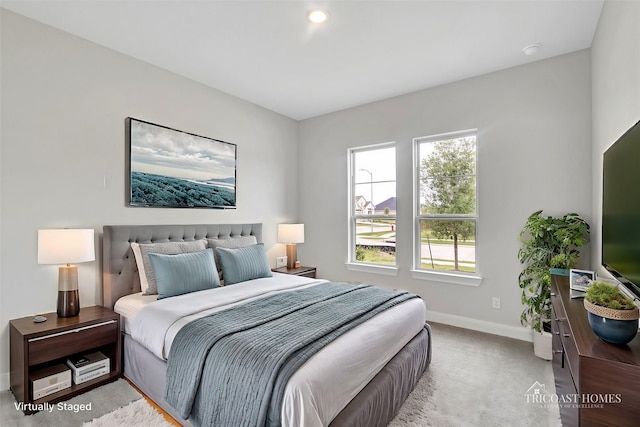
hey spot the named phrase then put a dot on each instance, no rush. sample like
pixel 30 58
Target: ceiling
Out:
pixel 266 52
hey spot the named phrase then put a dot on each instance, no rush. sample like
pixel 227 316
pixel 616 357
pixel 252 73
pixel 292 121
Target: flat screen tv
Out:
pixel 621 210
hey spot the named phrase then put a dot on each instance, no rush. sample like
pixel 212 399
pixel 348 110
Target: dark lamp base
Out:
pixel 68 303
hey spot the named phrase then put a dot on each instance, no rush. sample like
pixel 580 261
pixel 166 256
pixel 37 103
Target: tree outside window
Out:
pixel 447 214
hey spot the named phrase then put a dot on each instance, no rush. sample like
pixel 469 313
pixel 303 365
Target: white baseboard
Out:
pixel 4 381
pixel 519 333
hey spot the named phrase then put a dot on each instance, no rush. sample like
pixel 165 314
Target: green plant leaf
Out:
pixel 546 242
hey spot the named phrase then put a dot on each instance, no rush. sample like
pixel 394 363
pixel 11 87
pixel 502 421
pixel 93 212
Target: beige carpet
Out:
pixel 474 380
pixel 478 380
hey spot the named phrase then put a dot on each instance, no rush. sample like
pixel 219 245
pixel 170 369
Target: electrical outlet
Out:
pixel 281 261
pixel 496 302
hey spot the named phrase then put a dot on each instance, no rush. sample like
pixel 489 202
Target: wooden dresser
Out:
pixel 590 368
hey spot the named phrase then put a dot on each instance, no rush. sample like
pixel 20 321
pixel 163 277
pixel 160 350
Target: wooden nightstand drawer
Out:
pixel 311 273
pixel 300 271
pixel 61 344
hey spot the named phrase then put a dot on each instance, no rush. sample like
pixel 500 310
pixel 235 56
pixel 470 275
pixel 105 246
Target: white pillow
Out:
pixel 141 253
pixel 140 263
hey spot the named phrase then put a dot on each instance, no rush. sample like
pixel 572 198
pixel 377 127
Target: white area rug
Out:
pixel 110 405
pixel 138 413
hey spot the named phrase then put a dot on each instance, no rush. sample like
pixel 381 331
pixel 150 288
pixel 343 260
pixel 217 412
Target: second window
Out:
pixel 446 216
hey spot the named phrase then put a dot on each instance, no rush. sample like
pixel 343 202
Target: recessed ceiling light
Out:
pixel 317 16
pixel 532 49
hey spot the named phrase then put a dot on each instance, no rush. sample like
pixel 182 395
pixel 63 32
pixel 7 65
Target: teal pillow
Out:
pixel 183 273
pixel 241 264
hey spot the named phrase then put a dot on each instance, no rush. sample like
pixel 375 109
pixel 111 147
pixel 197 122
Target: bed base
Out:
pixel 379 402
pixel 374 406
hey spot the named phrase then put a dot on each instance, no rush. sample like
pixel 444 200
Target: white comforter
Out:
pixel 327 382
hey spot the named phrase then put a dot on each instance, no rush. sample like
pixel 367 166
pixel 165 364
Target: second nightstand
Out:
pixel 300 271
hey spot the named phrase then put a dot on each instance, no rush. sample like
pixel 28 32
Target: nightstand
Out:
pixel 300 271
pixel 34 346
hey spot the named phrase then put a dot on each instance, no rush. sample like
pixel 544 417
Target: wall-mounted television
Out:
pixel 621 210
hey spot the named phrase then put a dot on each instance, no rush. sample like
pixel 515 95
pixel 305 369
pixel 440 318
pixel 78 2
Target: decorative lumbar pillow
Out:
pixel 232 242
pixel 141 252
pixel 241 264
pixel 183 273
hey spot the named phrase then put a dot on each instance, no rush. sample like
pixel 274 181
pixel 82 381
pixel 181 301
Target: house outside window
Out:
pixel 372 201
pixel 446 203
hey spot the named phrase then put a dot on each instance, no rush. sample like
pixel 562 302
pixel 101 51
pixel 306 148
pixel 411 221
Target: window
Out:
pixel 446 205
pixel 372 216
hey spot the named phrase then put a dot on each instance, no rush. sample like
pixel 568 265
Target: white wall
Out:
pixel 534 152
pixel 615 64
pixel 64 101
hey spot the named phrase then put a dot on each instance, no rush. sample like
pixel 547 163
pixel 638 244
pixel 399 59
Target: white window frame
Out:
pixel 449 277
pixel 353 264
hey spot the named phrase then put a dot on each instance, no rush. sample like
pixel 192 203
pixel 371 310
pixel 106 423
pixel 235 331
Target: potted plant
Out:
pixel 612 315
pixel 546 242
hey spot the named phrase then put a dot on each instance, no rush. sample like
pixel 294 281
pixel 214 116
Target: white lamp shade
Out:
pixel 290 233
pixel 65 246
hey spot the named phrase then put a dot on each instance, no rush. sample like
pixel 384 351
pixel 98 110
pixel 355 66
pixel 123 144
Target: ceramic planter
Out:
pixel 613 326
pixel 542 345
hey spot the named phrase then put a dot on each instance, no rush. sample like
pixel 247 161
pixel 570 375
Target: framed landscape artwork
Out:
pixel 175 169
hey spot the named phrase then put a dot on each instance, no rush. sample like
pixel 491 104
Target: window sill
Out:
pixel 372 268
pixel 449 278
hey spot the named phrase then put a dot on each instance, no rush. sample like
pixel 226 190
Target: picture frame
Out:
pixel 580 280
pixel 170 168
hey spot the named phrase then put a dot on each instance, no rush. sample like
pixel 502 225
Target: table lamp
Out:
pixel 66 246
pixel 291 234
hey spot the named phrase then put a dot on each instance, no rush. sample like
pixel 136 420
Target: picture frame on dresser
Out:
pixel 581 279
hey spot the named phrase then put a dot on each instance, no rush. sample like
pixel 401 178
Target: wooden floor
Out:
pixel 164 413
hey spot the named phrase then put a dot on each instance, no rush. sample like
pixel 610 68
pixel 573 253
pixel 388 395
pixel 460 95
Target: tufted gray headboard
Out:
pixel 119 271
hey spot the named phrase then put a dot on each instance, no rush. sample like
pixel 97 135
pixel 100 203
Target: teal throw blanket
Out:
pixel 231 368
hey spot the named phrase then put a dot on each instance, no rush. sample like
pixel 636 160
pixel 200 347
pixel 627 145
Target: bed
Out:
pixel 361 378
